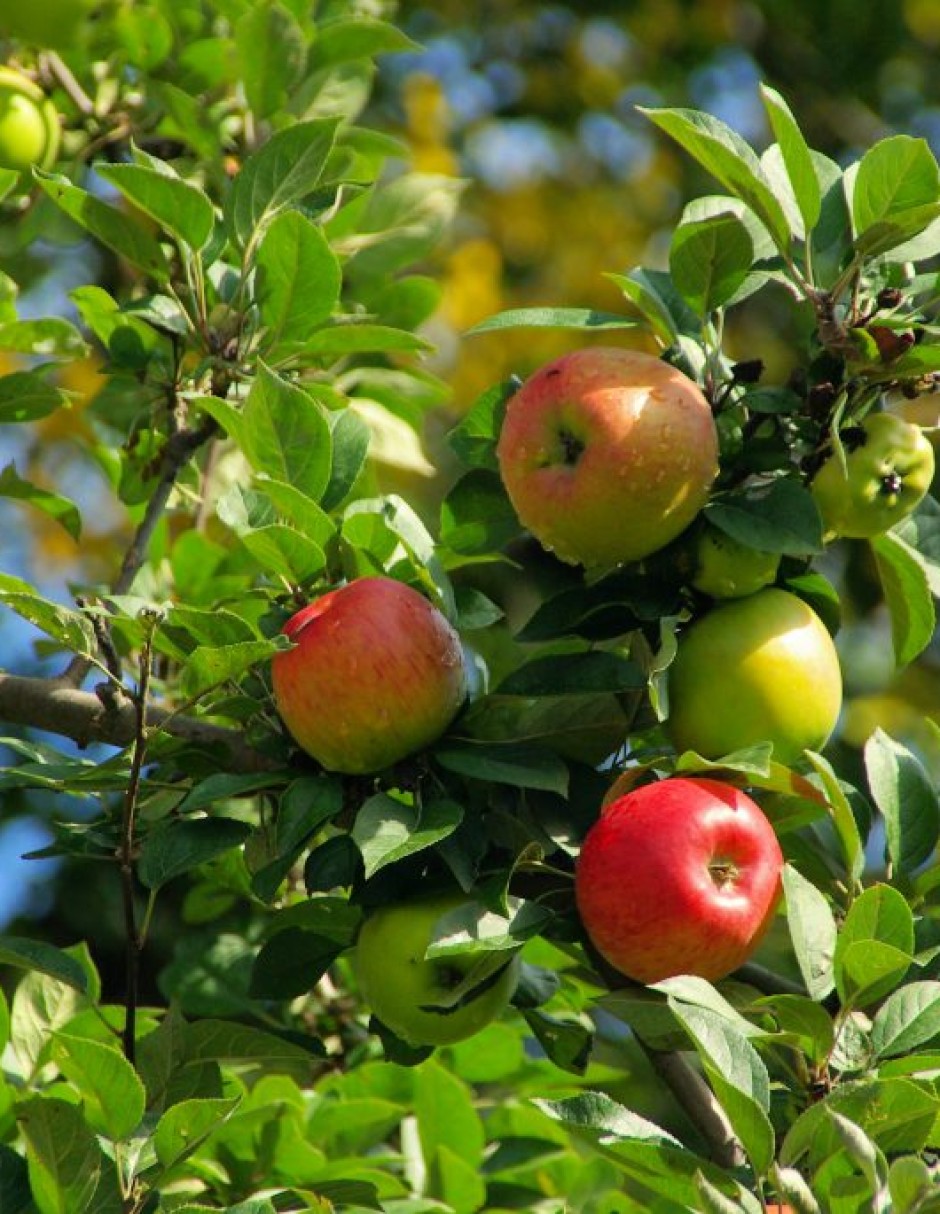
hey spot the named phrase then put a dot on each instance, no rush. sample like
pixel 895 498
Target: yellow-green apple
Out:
pixel 376 673
pixel 883 473
pixel 607 455
pixel 678 877
pixel 29 124
pixel 408 991
pixel 728 569
pixel 758 669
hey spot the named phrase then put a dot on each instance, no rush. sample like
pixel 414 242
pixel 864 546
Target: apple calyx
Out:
pixel 724 872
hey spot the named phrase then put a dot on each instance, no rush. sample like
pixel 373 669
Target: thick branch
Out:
pixel 699 1103
pixel 56 706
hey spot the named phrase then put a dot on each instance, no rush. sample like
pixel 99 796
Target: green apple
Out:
pixel 408 991
pixel 376 673
pixel 728 569
pixel 29 124
pixel 881 479
pixel 607 455
pixel 757 669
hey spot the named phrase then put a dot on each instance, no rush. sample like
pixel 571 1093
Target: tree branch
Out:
pixel 699 1103
pixel 58 707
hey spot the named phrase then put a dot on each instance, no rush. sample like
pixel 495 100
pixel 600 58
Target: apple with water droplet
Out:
pixel 607 455
pixel 376 673
pixel 679 877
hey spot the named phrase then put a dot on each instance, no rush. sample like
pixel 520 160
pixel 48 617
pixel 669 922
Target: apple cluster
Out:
pixel 608 456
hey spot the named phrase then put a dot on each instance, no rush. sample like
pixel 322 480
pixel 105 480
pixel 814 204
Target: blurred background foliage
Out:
pixel 533 107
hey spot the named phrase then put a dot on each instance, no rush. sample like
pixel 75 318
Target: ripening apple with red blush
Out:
pixel 376 673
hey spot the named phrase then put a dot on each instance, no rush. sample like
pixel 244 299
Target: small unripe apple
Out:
pixel 728 569
pixel 758 669
pixel 883 475
pixel 607 455
pixel 376 673
pixel 407 991
pixel 679 877
pixel 29 124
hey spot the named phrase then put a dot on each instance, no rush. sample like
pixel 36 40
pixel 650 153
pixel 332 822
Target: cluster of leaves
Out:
pixel 257 361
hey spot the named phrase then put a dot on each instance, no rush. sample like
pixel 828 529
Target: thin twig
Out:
pixel 127 847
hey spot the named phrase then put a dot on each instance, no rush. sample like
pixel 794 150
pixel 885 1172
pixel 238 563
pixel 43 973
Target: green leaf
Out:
pixel 307 804
pixel 64 1159
pixel 298 279
pixel 840 811
pixel 284 170
pixel 60 508
pixel 285 552
pixel 52 338
pixel 15 1197
pixel 291 963
pixel 796 156
pixel 909 1181
pixel 586 319
pixel 474 440
pixel 812 930
pixel 351 437
pixel 70 628
pixel 898 1114
pixel 574 674
pixel 345 337
pixel 387 830
pixel 471 928
pixel 283 432
pixel 908 1018
pixel 737 1075
pixel 208 667
pixel 805 1021
pixel 642 289
pixel 517 764
pixel 445 1113
pixel 567 1043
pixel 639 1148
pixel 25 397
pixel 897 182
pixel 477 516
pixel 112 1095
pixel 177 846
pixel 346 38
pixel 709 260
pixel 183 1128
pixel 906 797
pixel 113 228
pixel 730 160
pixel 248 1050
pixel 179 208
pixel 272 53
pixel 875 945
pixel 777 517
pixel 907 592
pixel 43 958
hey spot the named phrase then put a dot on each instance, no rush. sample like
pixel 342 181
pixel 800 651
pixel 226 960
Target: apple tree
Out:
pixel 325 756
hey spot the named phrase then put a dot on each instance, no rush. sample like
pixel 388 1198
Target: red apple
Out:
pixel 679 877
pixel 607 455
pixel 375 674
